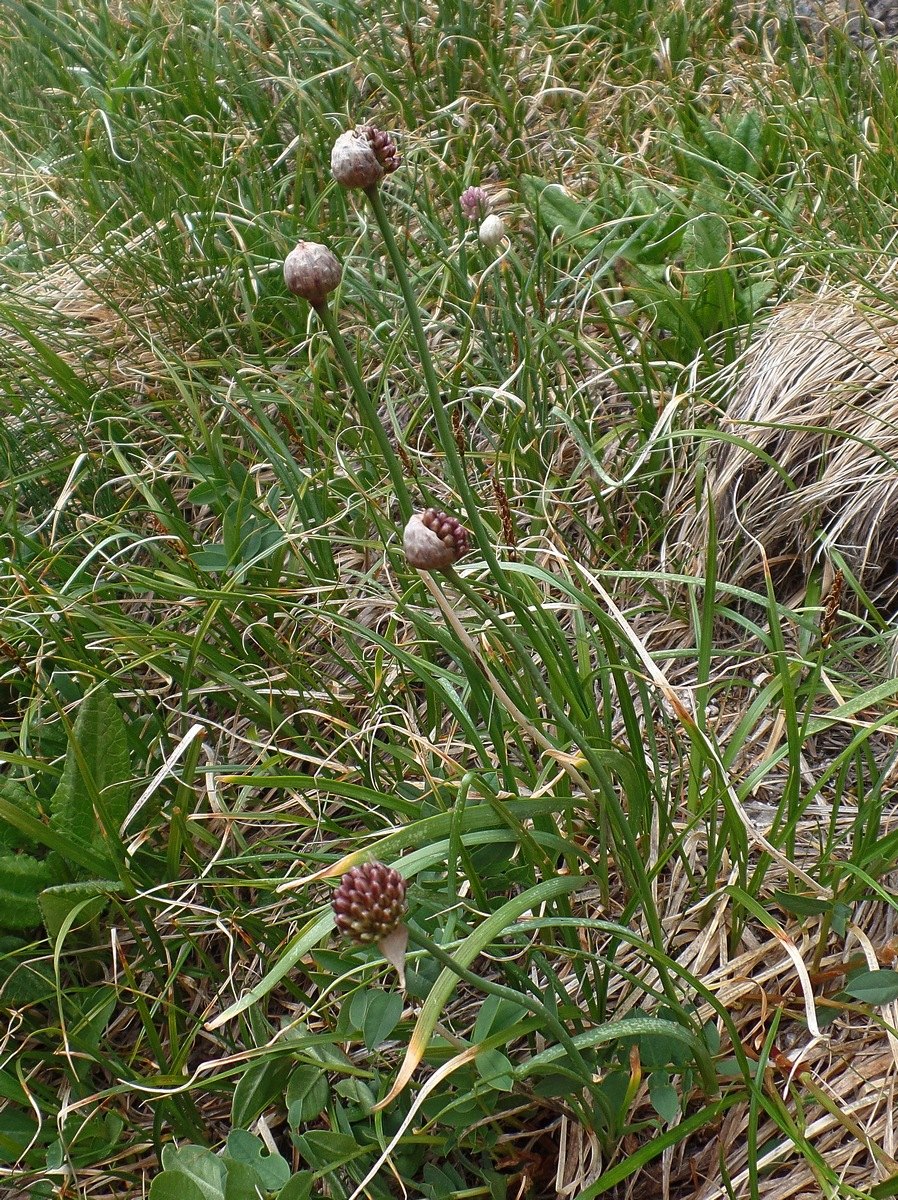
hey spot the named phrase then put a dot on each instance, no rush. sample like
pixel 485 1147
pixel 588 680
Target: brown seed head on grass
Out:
pixel 369 904
pixel 433 540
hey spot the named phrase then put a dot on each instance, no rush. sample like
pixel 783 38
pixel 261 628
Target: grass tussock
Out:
pixel 805 471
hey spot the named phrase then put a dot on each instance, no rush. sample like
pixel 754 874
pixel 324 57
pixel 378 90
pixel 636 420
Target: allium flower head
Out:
pixel 362 156
pixel 369 904
pixel 432 540
pixel 475 203
pixel 312 271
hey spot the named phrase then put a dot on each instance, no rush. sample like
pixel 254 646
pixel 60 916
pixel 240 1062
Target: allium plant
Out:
pixel 367 147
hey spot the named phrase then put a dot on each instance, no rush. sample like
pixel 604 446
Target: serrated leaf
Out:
pixel 307 1093
pixel 22 878
pixel 260 1085
pixel 12 836
pixel 92 797
pixel 173 1185
pixel 250 1151
pixel 58 902
pixel 201 1167
pixel 873 987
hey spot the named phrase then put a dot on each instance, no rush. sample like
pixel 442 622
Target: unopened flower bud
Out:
pixel 474 202
pixel 362 156
pixel 492 231
pixel 369 904
pixel 384 148
pixel 312 271
pixel 433 540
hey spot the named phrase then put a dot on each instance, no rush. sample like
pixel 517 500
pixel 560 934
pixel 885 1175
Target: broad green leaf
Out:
pixel 381 1017
pixel 250 1151
pixel 92 797
pixel 706 242
pixel 873 987
pixel 359 1097
pixel 324 1150
pixel 203 1168
pixel 802 906
pixel 34 829
pixel 664 1097
pixel 495 1069
pixel 559 211
pixel 242 1182
pixel 17 1128
pixel 174 1185
pixel 12 836
pixel 841 917
pixel 496 1013
pixel 298 1186
pixel 258 1088
pixel 307 1093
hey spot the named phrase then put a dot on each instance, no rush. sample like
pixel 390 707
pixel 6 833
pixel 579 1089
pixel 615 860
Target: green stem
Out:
pixel 367 409
pixel 441 416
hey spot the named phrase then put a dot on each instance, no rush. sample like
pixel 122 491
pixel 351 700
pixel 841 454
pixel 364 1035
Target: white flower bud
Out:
pixel 492 231
pixel 312 271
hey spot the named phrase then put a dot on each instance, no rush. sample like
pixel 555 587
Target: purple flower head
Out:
pixel 475 203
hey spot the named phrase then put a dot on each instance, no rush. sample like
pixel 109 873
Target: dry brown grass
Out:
pixel 807 467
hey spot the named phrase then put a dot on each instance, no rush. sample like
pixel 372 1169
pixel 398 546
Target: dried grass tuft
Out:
pixel 808 461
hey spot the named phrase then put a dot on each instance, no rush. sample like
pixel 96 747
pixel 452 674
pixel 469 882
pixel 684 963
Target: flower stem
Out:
pixel 444 428
pixel 367 410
